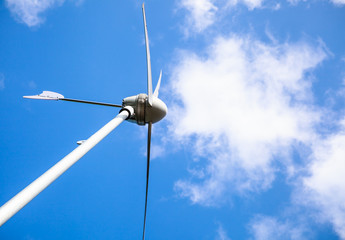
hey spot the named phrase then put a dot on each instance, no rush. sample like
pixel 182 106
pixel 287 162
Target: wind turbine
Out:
pixel 141 109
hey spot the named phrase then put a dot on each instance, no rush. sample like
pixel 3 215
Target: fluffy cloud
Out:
pixel 201 14
pixel 251 4
pixel 29 11
pixel 221 234
pixel 335 2
pixel 243 104
pixel 338 2
pixel 264 227
pixel 325 185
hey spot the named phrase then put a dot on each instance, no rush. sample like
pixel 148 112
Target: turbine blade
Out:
pixel 148 61
pixel 48 95
pixel 147 171
pixel 156 92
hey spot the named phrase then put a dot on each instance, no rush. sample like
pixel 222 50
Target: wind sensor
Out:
pixel 141 109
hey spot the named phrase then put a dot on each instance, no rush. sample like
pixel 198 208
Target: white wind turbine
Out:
pixel 141 109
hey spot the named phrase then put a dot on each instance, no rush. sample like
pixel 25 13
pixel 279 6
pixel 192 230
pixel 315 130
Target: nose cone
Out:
pixel 158 110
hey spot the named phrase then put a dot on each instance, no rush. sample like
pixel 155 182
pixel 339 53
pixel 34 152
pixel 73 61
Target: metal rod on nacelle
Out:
pixel 31 191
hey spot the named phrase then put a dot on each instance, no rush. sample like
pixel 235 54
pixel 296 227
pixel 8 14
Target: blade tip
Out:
pixel 31 97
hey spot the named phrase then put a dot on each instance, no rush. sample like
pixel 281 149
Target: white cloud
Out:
pixel 29 11
pixel 242 104
pixel 264 227
pixel 156 151
pixel 338 2
pixel 325 187
pixel 335 2
pixel 221 234
pixel 201 14
pixel 2 81
pixel 251 4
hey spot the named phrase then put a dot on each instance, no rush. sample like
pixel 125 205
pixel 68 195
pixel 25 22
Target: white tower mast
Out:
pixel 27 194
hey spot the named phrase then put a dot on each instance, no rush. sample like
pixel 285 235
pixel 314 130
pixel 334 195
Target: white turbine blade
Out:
pixel 46 95
pixel 148 60
pixel 156 92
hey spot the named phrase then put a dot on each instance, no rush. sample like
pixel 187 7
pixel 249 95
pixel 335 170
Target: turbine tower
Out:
pixel 142 109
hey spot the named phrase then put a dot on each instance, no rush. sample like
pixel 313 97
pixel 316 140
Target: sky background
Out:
pixel 253 146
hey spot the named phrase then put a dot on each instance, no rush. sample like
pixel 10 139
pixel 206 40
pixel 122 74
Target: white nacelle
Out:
pixel 143 112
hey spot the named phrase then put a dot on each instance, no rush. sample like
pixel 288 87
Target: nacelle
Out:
pixel 143 112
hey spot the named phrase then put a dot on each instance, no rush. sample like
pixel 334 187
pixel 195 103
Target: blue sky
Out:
pixel 253 146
